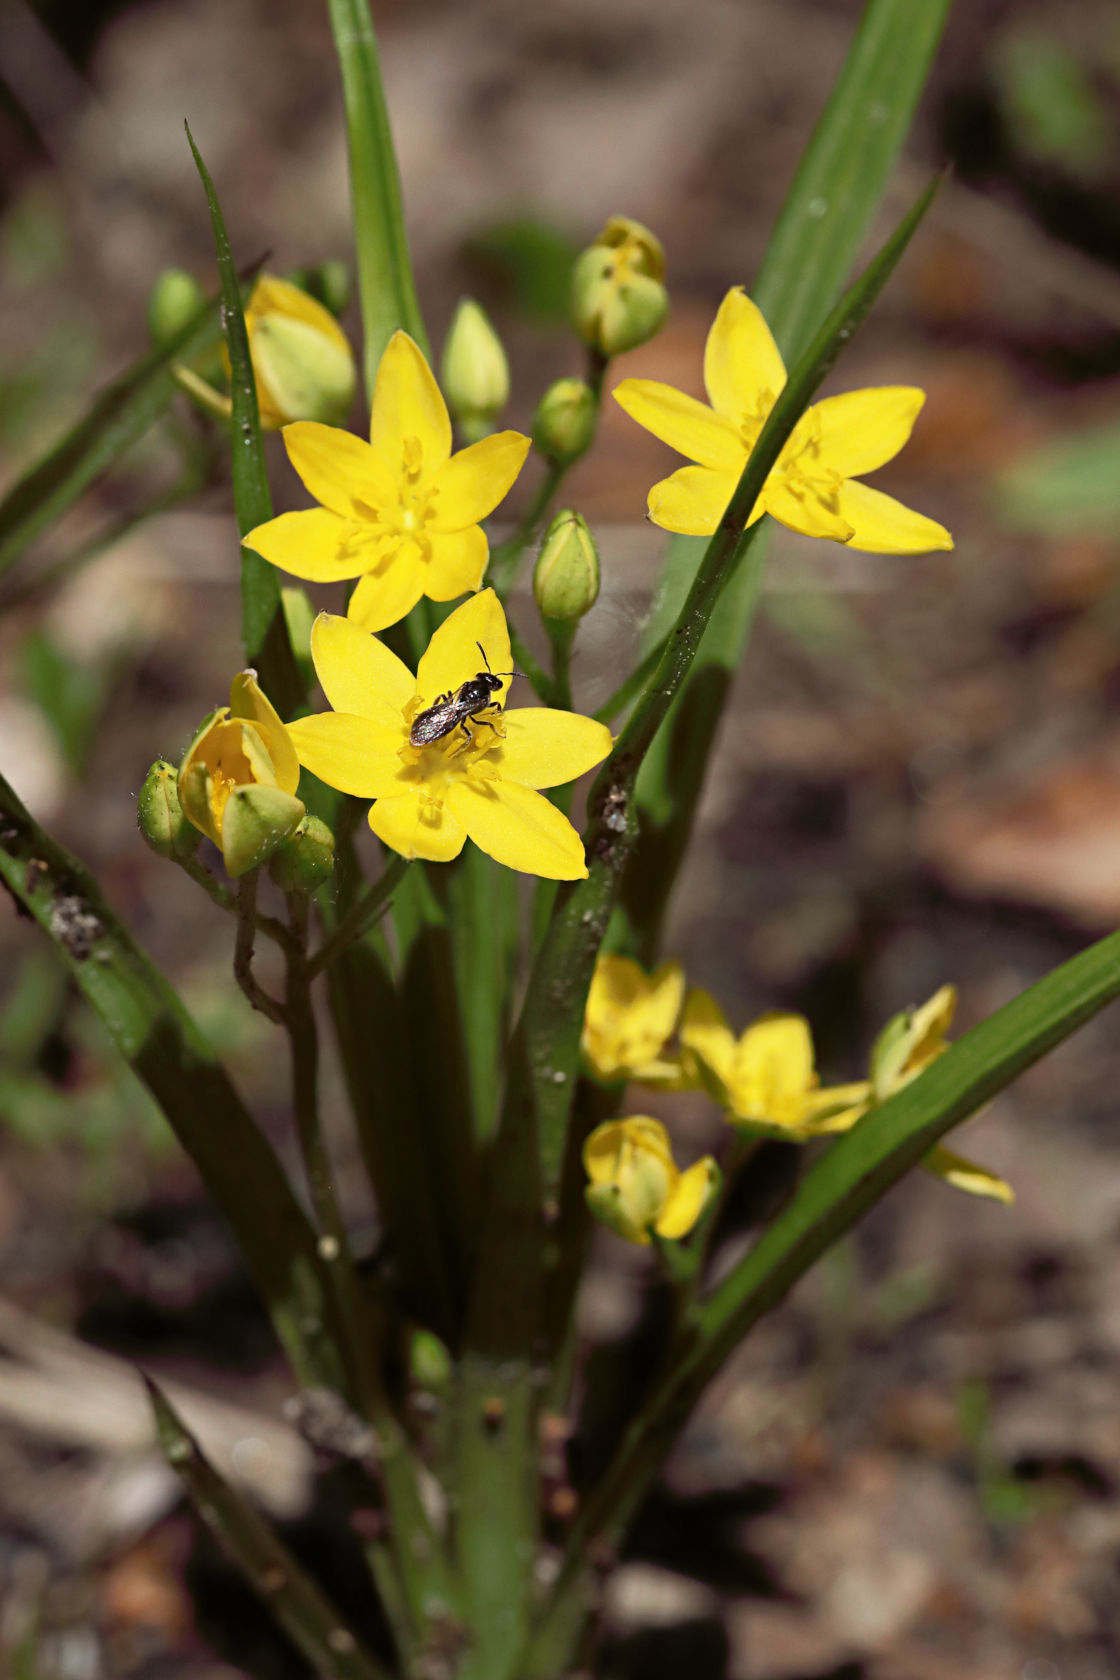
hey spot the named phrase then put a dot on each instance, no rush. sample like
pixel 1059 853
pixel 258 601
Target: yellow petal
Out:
pixel 880 525
pixel 458 562
pixel 310 545
pixel 453 656
pixel 629 1017
pixel 386 596
pixel 928 1026
pixel 417 830
pixel 705 1032
pixel 248 700
pixel 359 674
pixel 338 468
pixel 692 500
pixel 518 828
pixel 861 430
pixel 683 423
pixel 836 1108
pixel 687 1202
pixel 474 481
pixel 773 1070
pixel 966 1175
pixel 407 404
pixel 743 369
pixel 352 754
pixel 544 748
pixel 806 512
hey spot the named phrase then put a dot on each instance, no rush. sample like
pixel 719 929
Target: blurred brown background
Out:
pixel 912 1471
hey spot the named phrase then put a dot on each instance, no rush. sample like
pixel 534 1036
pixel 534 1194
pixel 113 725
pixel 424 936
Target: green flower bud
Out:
pixel 161 818
pixel 303 862
pixel 256 820
pixel 566 577
pixel 564 422
pixel 429 1360
pixel 302 359
pixel 174 298
pixel 330 282
pixel 474 372
pixel 618 299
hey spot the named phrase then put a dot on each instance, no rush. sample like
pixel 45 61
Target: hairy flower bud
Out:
pixel 305 860
pixel 564 422
pixel 566 577
pixel 302 360
pixel 174 298
pixel 618 296
pixel 160 814
pixel 474 372
pixel 257 820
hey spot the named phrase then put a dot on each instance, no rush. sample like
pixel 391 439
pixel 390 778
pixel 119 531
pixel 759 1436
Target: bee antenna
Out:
pixel 482 651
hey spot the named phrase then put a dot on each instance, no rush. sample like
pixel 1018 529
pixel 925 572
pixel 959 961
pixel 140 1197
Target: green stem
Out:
pixel 562 636
pixel 243 951
pixel 361 915
pixel 224 899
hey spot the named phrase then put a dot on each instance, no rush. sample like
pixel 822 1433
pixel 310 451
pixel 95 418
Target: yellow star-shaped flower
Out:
pixel 480 781
pixel 629 1019
pixel 636 1186
pixel 813 487
pixel 400 513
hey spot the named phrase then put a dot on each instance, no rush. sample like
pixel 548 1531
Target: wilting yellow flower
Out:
pixel 630 1018
pixel 238 779
pixel 813 486
pixel 765 1078
pixel 400 513
pixel 302 360
pixel 618 296
pixel 636 1185
pixel 479 777
pixel 907 1045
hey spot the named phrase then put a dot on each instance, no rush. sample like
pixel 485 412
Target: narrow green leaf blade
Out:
pixel 264 629
pixel 117 418
pixel 167 1052
pixel 300 1606
pixel 385 283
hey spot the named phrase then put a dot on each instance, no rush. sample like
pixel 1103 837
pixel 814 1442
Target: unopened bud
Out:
pixel 160 815
pixel 174 298
pixel 566 578
pixel 302 360
pixel 618 298
pixel 474 372
pixel 564 422
pixel 303 862
pixel 429 1360
pixel 256 820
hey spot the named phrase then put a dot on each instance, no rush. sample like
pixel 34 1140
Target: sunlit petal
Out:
pixel 310 545
pixel 689 1199
pixel 386 596
pixel 458 562
pixel 353 754
pixel 683 423
pixel 705 1032
pixel 544 749
pixel 518 828
pixel 880 525
pixel 417 829
pixel 802 510
pixel 358 673
pixel 472 483
pixel 248 700
pixel 337 467
pixel 692 501
pixel 741 361
pixel 453 655
pixel 861 430
pixel 407 404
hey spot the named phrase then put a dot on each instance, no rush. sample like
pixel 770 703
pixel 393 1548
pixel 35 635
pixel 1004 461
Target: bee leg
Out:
pixel 463 745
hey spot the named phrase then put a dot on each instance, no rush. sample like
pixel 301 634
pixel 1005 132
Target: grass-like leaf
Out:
pixel 165 1049
pixel 264 629
pixel 385 284
pixel 118 417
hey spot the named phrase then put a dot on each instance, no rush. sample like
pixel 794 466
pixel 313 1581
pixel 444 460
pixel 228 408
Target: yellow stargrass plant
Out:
pixel 401 513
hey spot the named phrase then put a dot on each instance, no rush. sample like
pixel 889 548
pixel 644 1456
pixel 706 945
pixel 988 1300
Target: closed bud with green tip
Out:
pixel 618 296
pixel 174 298
pixel 566 578
pixel 564 422
pixel 474 372
pixel 257 819
pixel 304 861
pixel 160 814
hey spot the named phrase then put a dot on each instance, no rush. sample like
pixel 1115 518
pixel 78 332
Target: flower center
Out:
pixel 462 751
pixel 403 521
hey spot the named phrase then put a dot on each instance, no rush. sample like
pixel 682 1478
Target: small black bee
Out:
pixel 451 711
